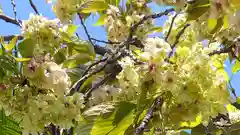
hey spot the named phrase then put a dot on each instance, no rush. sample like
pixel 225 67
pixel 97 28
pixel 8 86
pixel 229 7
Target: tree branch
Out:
pixel 158 102
pixel 106 42
pixel 177 40
pixel 10 20
pixel 92 65
pixel 171 25
pixel 152 16
pixel 33 7
pixel 222 50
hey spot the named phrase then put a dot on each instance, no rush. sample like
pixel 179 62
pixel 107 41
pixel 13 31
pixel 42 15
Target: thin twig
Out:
pixel 92 65
pixel 10 20
pixel 171 25
pixel 179 35
pixel 145 18
pixel 14 9
pixel 177 39
pixel 85 28
pixel 207 131
pixel 148 116
pixel 221 51
pixel 34 7
pixel 106 42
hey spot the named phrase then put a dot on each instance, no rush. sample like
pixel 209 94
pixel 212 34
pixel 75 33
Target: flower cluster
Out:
pixel 118 26
pixel 42 100
pixel 103 94
pixel 191 80
pixel 66 9
pixel 45 33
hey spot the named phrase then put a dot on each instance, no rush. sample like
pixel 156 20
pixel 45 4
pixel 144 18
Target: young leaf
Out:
pixel 101 20
pixel 22 59
pixel 225 22
pixel 11 45
pixel 93 6
pixel 26 48
pixel 236 67
pixel 197 9
pixel 212 22
pixel 71 29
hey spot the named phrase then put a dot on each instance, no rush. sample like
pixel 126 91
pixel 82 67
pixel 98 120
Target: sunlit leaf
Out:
pixel 212 22
pixel 22 59
pixel 101 20
pixel 226 22
pixel 123 109
pixel 93 6
pixel 11 45
pixel 123 125
pixel 236 67
pixel 102 126
pixel 113 2
pixel 71 29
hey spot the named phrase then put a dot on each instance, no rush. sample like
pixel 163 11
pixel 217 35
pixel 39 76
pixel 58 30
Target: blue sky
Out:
pixel 24 9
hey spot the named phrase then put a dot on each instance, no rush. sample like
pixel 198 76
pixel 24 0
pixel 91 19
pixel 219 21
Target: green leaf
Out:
pixel 76 59
pixel 235 3
pixel 11 45
pixel 75 73
pixel 0 9
pixel 113 2
pixel 238 100
pixel 212 22
pixel 235 129
pixel 81 47
pixel 102 126
pixel 218 26
pixel 200 130
pixel 123 109
pixel 236 67
pixel 26 48
pixel 123 125
pixel 197 9
pixel 101 20
pixel 184 133
pixel 59 56
pixel 22 59
pixel 101 109
pixel 84 128
pixel 8 126
pixel 94 6
pixel 225 22
pixel 155 29
pixel 71 29
pixel 8 63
